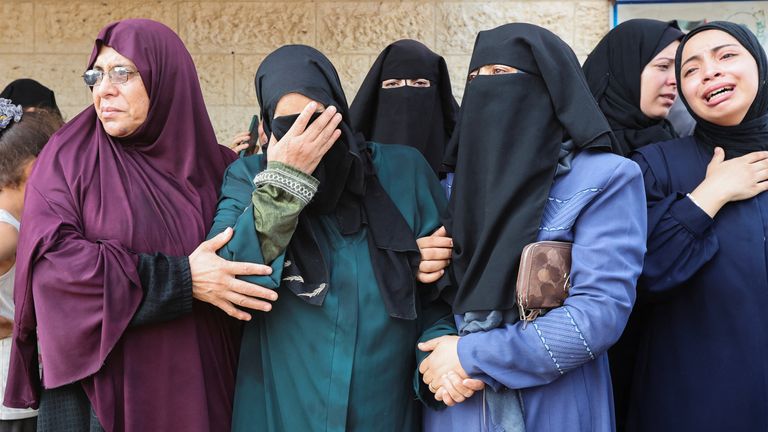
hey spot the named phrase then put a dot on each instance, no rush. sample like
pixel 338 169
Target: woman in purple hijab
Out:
pixel 110 262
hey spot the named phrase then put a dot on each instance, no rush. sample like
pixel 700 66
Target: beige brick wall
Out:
pixel 50 40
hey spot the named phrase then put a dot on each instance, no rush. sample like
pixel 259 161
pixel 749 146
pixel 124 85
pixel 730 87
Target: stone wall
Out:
pixel 51 40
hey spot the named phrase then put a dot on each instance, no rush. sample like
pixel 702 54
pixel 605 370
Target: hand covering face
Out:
pixel 349 189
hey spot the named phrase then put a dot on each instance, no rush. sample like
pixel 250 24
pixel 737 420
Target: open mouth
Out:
pixel 718 92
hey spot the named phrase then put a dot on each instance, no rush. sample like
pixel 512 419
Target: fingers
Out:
pixel 329 135
pixel 435 242
pixel 760 165
pixel 430 345
pixel 218 241
pixel 453 390
pixel 230 310
pixel 239 138
pixel 428 278
pixel 451 383
pixel 237 268
pixel 313 131
pixel 445 397
pixel 719 156
pixel 426 370
pixel 440 232
pixel 473 384
pixel 433 266
pixel 761 176
pixel 300 124
pixel 334 137
pixel 251 290
pixel 241 147
pixel 436 253
pixel 247 302
pixel 439 394
pixel 423 368
pixel 750 157
pixel 432 388
pixel 429 377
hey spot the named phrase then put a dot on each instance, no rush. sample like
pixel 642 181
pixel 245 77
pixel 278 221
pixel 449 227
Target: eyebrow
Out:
pixel 110 66
pixel 715 49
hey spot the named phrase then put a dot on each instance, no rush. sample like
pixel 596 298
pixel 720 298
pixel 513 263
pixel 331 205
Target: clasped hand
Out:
pixel 436 250
pixel 443 373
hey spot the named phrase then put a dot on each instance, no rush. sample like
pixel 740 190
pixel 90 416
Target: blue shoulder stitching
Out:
pixel 557 210
pixel 574 195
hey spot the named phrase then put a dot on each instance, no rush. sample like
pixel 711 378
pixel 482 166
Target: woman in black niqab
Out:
pixel 420 117
pixel 506 150
pixel 533 161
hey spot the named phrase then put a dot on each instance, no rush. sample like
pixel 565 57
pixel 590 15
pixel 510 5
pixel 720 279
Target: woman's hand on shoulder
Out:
pixel 214 280
pixel 731 180
pixel 304 146
pixel 436 250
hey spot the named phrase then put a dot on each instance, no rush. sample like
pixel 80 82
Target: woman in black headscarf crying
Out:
pixel 406 98
pixel 533 161
pixel 701 364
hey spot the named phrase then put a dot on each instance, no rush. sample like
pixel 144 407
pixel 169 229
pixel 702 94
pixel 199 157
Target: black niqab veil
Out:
pixel 505 151
pixel 752 133
pixel 613 72
pixel 422 118
pixel 349 188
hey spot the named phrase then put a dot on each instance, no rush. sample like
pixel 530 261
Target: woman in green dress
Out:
pixel 337 219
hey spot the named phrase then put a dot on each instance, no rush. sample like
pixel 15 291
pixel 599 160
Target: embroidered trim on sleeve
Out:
pixel 287 181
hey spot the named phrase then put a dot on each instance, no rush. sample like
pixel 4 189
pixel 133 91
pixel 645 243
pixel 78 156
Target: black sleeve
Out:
pixel 167 285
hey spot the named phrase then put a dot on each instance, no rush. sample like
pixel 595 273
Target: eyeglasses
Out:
pixel 117 75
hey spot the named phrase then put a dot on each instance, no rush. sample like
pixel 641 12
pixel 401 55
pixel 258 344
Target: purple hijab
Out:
pixel 93 203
